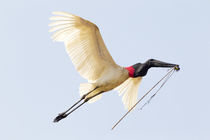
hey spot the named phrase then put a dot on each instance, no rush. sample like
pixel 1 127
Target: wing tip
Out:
pixel 61 13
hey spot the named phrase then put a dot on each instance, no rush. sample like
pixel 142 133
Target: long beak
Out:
pixel 157 63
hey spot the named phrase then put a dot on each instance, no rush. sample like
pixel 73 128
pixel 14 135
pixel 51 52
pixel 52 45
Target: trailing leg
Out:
pixel 90 97
pixel 65 114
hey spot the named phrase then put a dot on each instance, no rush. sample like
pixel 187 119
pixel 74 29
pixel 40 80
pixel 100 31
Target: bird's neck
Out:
pixel 131 71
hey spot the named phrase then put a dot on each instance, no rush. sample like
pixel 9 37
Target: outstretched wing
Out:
pixel 130 90
pixel 84 44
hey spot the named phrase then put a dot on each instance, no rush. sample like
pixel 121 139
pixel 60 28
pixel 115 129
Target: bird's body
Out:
pixel 114 77
pixel 93 61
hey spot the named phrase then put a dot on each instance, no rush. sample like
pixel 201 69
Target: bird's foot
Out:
pixel 60 117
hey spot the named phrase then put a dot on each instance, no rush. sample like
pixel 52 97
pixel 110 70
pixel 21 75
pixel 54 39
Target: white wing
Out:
pixel 84 44
pixel 130 90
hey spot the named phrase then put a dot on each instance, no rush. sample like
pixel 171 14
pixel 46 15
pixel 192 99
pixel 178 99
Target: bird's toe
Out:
pixel 60 117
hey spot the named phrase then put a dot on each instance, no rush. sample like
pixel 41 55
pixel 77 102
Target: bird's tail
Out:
pixel 85 88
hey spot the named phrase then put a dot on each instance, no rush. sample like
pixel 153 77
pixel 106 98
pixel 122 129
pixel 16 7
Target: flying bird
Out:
pixel 89 55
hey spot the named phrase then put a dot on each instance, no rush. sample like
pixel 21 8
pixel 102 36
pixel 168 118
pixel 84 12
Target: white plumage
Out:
pixel 129 89
pixel 91 58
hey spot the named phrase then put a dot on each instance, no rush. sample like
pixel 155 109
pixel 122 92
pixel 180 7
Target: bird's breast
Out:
pixel 112 78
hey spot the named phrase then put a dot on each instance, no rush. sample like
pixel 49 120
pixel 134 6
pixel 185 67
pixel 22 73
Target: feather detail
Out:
pixel 84 45
pixel 85 88
pixel 94 99
pixel 130 90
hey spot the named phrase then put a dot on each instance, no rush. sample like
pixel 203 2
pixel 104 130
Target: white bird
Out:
pixel 93 61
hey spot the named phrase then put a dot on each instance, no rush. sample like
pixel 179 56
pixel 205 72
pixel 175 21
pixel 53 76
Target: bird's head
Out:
pixel 140 69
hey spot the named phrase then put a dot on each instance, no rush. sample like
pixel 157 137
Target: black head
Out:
pixel 141 69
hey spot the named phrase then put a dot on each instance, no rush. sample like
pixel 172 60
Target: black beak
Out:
pixel 157 63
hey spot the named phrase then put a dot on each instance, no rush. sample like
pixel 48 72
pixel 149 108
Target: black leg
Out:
pixel 75 108
pixel 65 114
pixel 87 99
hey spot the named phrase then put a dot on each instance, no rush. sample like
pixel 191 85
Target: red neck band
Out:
pixel 131 71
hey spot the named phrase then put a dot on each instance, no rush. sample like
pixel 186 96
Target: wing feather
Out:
pixel 84 44
pixel 130 90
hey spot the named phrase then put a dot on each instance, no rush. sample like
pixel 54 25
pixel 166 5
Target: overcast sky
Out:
pixel 38 80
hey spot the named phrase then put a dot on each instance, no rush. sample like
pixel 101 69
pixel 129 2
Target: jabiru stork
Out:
pixel 93 61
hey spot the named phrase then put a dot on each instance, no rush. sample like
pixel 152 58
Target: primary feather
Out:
pixel 91 58
pixel 84 44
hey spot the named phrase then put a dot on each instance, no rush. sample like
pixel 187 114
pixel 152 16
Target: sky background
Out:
pixel 38 80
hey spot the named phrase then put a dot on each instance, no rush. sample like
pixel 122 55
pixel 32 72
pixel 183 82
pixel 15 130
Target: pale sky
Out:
pixel 38 80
